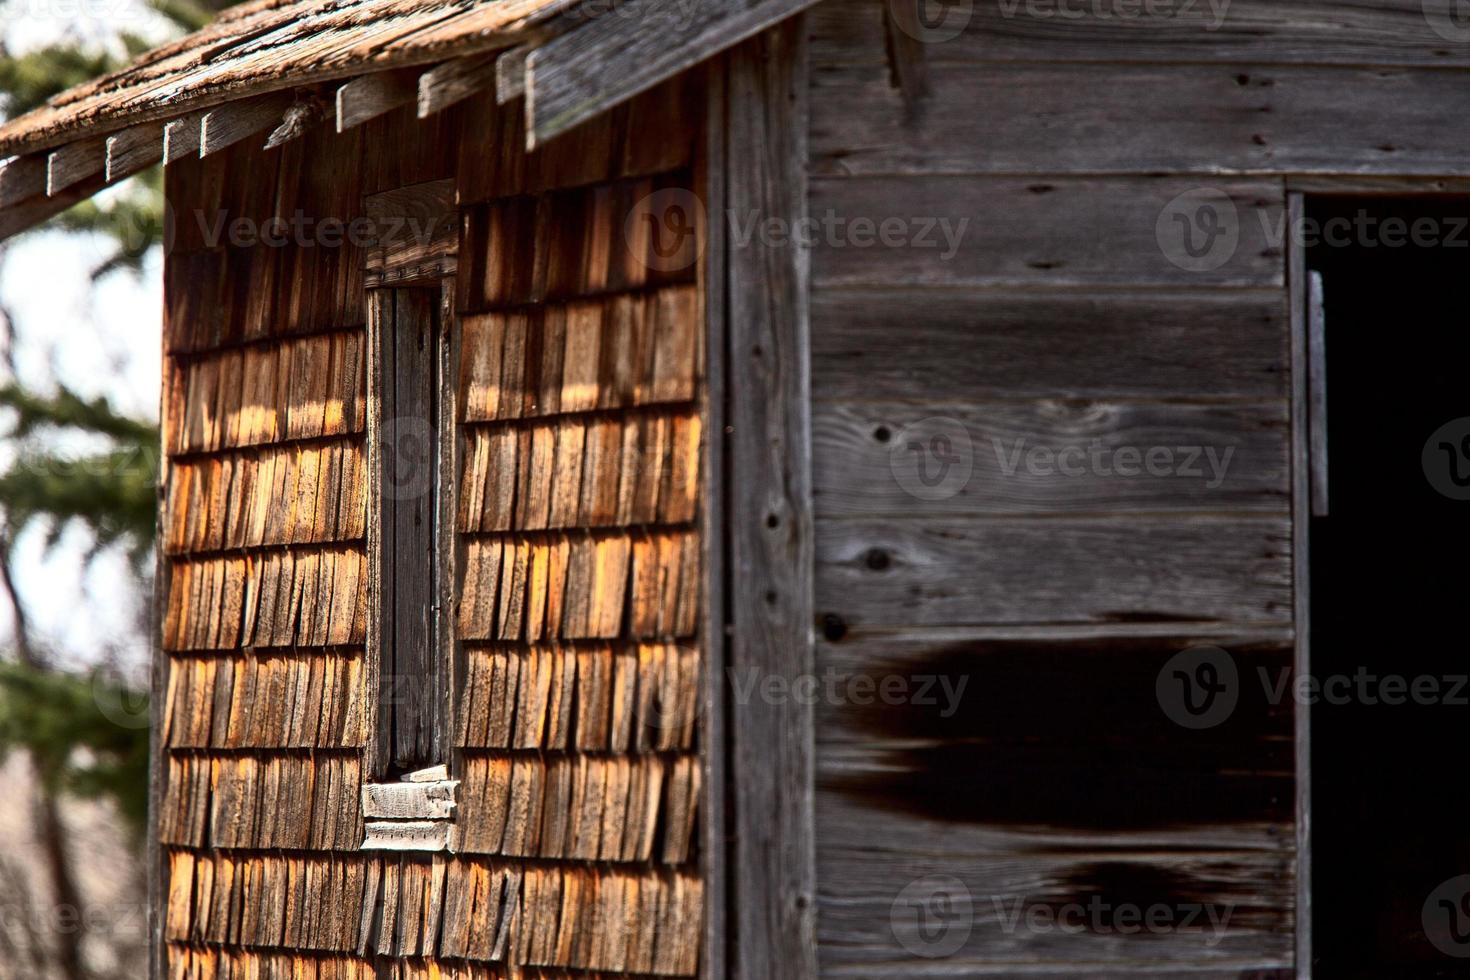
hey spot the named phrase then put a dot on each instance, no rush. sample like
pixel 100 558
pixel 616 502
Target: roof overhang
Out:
pixel 279 68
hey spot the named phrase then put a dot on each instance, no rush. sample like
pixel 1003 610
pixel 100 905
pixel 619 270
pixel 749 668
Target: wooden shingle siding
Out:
pixel 619 352
pixel 267 393
pixel 296 598
pixel 309 493
pixel 608 698
pixel 287 802
pixel 279 699
pixel 578 658
pixel 582 472
pixel 252 255
pixel 1045 307
pixel 638 922
pixel 580 579
pixel 614 808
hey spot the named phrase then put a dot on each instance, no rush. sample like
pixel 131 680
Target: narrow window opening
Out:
pixel 412 666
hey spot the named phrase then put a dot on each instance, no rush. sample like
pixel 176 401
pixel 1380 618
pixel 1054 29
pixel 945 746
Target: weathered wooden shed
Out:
pixel 601 532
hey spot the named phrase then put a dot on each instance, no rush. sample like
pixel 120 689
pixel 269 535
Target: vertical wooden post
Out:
pixel 1301 509
pixel 713 736
pixel 770 519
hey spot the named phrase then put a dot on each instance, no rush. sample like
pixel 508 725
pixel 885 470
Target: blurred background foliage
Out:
pixel 70 462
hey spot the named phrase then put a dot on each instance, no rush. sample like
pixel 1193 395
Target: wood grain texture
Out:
pixel 771 534
pixel 1290 32
pixel 1018 903
pixel 22 178
pixel 74 163
pixel 133 150
pixel 1040 231
pixel 411 675
pixel 452 82
pixel 1202 119
pixel 610 59
pixel 972 344
pixel 952 571
pixel 416 237
pixel 227 125
pixel 1301 539
pixel 369 96
pixel 1053 456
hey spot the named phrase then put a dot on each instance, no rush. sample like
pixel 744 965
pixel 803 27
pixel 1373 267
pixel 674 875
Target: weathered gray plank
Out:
pixel 932 346
pixel 847 820
pixel 1050 456
pixel 181 138
pixel 23 215
pixel 73 163
pixel 22 178
pixel 410 683
pixel 612 58
pixel 1378 32
pixel 510 73
pixel 710 166
pixel 866 914
pixel 409 800
pixel 1065 231
pixel 134 149
pixel 1203 119
pixel 227 125
pixel 1301 580
pixel 370 96
pixel 454 81
pixel 408 835
pixel 771 542
pixel 955 571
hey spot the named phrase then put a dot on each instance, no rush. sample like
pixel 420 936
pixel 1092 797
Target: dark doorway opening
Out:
pixel 1390 586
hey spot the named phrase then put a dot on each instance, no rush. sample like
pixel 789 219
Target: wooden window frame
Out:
pixel 389 753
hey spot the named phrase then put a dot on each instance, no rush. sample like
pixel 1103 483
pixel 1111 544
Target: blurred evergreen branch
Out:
pixel 63 721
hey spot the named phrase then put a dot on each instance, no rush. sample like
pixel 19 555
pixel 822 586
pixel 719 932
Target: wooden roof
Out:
pixel 270 45
pixel 277 65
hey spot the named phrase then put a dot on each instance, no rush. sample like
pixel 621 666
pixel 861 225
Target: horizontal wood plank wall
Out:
pixel 1411 33
pixel 1005 306
pixel 581 440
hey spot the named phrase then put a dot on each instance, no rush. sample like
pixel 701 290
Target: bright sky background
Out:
pixel 100 339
